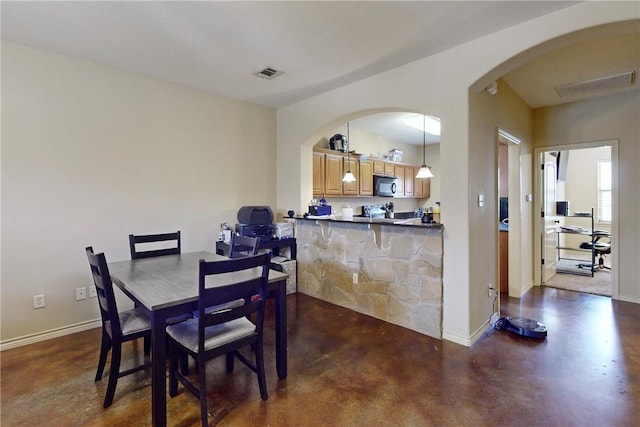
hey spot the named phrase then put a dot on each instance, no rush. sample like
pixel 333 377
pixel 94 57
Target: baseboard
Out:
pixel 628 299
pixel 50 334
pixel 522 291
pixel 458 339
pixel 479 332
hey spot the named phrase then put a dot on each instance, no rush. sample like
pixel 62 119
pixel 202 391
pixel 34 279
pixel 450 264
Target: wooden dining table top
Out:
pixel 163 281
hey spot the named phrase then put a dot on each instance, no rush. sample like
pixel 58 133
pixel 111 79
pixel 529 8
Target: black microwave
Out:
pixel 384 186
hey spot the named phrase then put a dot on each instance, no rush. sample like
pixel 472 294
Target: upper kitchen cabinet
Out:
pixel 389 169
pixel 351 188
pixel 318 173
pixel 333 174
pixel 378 167
pixel 329 167
pixel 421 187
pixel 409 176
pixel 366 178
pixel 399 174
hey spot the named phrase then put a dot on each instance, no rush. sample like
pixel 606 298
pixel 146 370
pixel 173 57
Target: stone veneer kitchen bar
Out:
pixel 399 267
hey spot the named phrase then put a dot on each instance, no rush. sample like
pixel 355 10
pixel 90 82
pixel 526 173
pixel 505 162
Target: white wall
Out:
pixel 91 154
pixel 436 85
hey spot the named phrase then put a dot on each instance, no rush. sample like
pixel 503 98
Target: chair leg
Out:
pixel 114 373
pixel 104 351
pixel 231 357
pixel 203 395
pixel 147 346
pixel 184 363
pixel 173 381
pixel 262 382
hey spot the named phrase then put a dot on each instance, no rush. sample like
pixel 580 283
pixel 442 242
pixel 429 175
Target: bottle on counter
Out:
pixel 436 213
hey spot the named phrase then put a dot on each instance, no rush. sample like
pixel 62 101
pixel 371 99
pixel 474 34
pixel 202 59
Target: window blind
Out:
pixel 604 192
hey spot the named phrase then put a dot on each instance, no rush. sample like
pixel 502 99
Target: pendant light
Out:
pixel 348 177
pixel 425 171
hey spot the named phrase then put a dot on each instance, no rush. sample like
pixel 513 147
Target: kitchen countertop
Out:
pixel 412 222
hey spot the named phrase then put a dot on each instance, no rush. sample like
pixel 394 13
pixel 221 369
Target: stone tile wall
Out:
pixel 399 270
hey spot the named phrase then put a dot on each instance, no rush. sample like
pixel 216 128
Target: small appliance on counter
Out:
pixel 256 221
pixel 319 207
pixel 373 211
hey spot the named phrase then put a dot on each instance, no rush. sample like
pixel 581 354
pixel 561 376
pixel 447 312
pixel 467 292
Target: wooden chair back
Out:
pixel 250 276
pixel 154 238
pixel 242 246
pixel 104 291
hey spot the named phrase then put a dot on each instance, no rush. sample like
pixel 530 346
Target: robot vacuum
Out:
pixel 523 326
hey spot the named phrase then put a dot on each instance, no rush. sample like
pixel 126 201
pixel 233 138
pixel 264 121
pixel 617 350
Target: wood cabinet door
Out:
pixel 409 175
pixel 333 175
pixel 426 187
pixel 318 174
pixel 417 185
pixel 399 173
pixel 378 167
pixel 389 169
pixel 351 188
pixel 366 178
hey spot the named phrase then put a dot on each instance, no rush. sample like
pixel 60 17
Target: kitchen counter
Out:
pixel 413 222
pixel 390 269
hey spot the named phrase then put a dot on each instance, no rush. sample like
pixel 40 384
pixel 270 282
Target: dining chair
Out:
pixel 135 240
pixel 117 327
pixel 174 249
pixel 241 246
pixel 225 332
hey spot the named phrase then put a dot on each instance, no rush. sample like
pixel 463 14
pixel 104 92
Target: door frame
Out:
pixel 537 207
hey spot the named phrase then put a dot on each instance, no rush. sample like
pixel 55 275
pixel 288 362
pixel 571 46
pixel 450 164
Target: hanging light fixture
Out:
pixel 348 177
pixel 425 171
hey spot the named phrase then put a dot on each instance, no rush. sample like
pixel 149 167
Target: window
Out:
pixel 604 192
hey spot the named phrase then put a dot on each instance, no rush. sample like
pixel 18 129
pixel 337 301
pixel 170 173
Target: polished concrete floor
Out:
pixel 346 369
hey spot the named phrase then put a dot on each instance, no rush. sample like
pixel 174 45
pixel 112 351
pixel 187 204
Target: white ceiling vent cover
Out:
pixel 268 73
pixel 615 81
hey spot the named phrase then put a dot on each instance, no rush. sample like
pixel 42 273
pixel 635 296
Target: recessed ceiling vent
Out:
pixel 268 73
pixel 601 84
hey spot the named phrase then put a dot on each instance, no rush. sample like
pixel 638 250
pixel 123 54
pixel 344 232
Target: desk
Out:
pixel 167 286
pixel 222 248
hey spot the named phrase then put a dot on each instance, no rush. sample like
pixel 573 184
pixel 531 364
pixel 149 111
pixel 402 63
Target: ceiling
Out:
pixel 319 45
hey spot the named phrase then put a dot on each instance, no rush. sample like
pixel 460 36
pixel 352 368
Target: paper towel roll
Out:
pixel 347 213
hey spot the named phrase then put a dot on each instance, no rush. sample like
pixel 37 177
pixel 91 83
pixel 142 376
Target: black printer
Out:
pixel 256 221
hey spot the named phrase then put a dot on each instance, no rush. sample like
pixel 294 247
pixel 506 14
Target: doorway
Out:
pixel 577 184
pixel 509 215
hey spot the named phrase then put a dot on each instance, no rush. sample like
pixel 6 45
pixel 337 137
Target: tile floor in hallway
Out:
pixel 347 369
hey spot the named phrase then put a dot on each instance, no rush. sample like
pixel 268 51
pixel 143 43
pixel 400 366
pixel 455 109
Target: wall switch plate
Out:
pixel 481 200
pixel 355 278
pixel 38 301
pixel 92 292
pixel 529 197
pixel 81 293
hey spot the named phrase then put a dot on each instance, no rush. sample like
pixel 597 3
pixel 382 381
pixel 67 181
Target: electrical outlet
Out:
pixel 81 293
pixel 492 290
pixel 38 301
pixel 92 292
pixel 355 278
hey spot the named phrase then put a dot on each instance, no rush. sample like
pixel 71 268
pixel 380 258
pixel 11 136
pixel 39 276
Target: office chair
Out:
pixel 600 248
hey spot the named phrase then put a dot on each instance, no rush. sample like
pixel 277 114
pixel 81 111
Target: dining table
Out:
pixel 167 286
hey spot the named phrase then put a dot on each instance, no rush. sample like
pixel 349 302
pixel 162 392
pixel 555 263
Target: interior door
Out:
pixel 549 236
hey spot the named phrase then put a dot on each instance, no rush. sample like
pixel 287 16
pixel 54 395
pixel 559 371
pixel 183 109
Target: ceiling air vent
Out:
pixel 268 73
pixel 615 81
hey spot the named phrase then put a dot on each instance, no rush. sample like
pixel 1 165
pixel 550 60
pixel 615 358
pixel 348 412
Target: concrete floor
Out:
pixel 347 369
